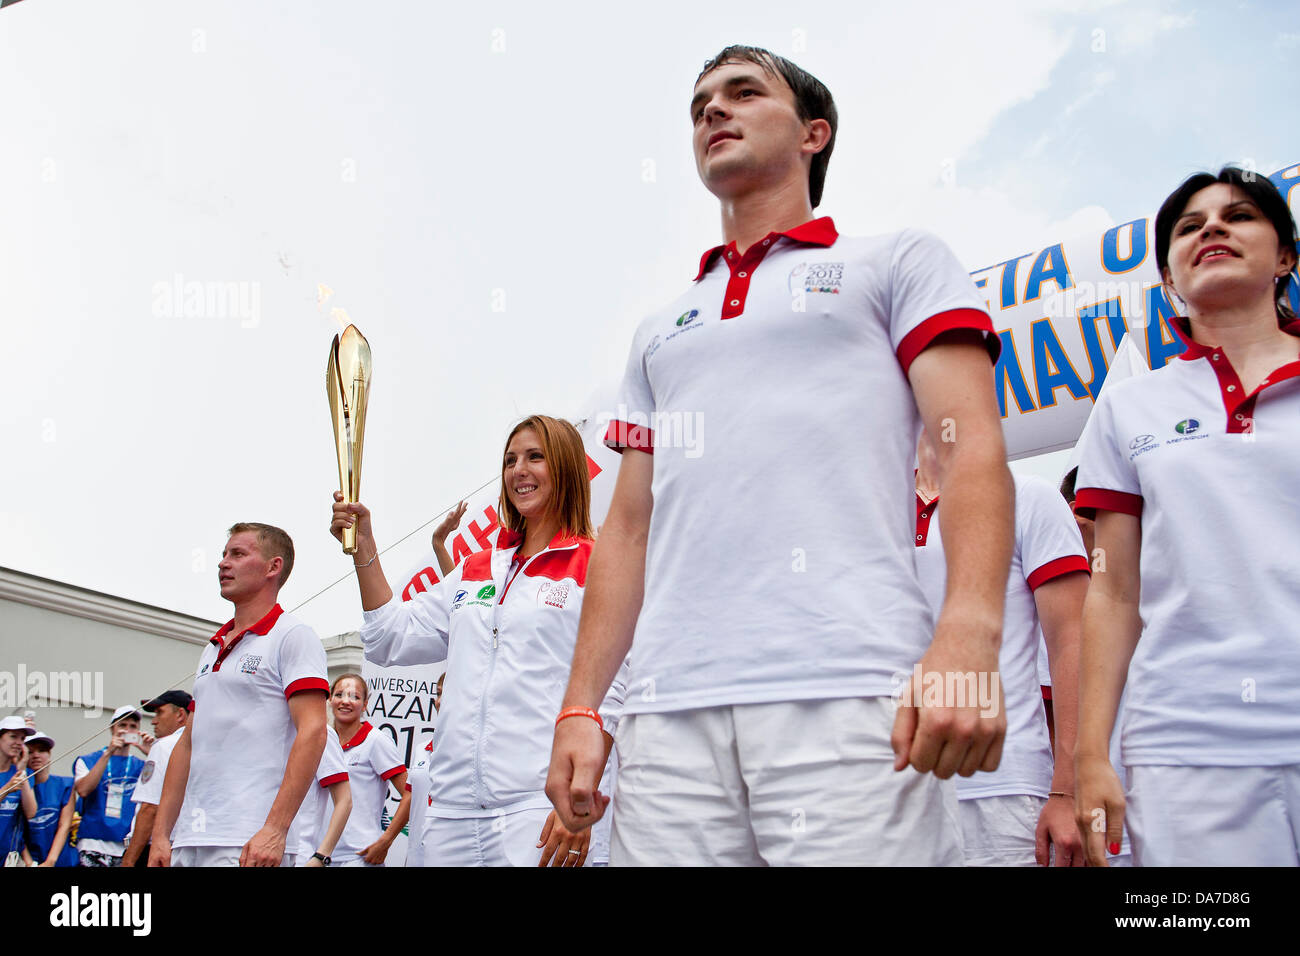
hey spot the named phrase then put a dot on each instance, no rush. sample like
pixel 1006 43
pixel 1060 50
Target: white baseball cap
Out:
pixel 37 735
pixel 15 722
pixel 124 711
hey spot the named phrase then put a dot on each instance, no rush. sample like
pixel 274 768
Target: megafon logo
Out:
pixel 1187 426
pixel 487 592
pixel 687 316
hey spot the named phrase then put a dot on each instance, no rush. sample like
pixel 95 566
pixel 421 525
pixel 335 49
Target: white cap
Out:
pixel 125 711
pixel 16 723
pixel 37 735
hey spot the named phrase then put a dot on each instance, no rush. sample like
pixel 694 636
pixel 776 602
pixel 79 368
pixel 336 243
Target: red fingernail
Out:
pixel 1114 848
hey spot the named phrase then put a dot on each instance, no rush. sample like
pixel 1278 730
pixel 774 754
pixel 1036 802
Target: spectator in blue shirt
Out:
pixel 105 781
pixel 47 832
pixel 17 799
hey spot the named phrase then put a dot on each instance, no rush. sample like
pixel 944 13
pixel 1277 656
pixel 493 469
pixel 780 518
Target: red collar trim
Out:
pixel 511 539
pixel 815 232
pixel 362 733
pixel 262 627
pixel 1182 327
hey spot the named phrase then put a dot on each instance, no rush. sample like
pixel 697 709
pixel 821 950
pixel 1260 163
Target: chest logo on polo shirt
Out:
pixel 487 591
pixel 1141 440
pixel 553 594
pixel 825 277
pixel 1187 426
pixel 248 664
pixel 690 316
pixel 459 599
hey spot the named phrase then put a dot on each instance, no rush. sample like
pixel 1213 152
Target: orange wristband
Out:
pixel 580 712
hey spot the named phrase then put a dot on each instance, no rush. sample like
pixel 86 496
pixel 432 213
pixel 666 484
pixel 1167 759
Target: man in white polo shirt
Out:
pixel 171 712
pixel 1022 813
pixel 768 572
pixel 243 765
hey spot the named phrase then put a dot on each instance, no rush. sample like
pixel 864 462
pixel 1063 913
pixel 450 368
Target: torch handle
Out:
pixel 350 540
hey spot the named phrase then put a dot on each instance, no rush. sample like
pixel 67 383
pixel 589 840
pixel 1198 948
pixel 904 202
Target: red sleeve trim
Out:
pixel 390 774
pixel 1057 568
pixel 1087 501
pixel 1047 691
pixel 408 788
pixel 920 338
pixel 620 435
pixel 333 779
pixel 306 683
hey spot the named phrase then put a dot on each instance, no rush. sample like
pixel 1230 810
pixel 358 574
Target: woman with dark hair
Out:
pixel 505 620
pixel 1193 475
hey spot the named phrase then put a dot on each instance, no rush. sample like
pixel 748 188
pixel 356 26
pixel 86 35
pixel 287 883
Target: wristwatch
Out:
pixel 324 860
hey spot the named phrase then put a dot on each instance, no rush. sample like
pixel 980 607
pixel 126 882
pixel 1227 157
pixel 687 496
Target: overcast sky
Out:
pixel 495 196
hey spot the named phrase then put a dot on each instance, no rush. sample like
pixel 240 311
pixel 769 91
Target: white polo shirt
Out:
pixel 241 732
pixel 372 759
pixel 1214 475
pixel 774 397
pixel 1047 546
pixel 150 786
pixel 315 812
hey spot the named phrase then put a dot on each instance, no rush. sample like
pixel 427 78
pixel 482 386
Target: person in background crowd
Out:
pixel 17 798
pixel 505 621
pixel 1191 473
pixel 105 780
pixel 48 830
pixel 238 774
pixel 171 713
pixel 317 833
pixel 372 764
pixel 1124 858
pixel 417 785
pixel 1022 813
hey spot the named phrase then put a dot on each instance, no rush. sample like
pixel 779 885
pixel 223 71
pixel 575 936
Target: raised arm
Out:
pixel 615 588
pixel 1111 628
pixel 953 384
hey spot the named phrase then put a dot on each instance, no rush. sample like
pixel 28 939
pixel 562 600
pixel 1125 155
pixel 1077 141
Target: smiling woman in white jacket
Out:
pixel 505 621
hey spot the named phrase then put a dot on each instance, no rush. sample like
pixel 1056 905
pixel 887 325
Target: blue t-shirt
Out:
pixel 11 814
pixel 51 797
pixel 107 812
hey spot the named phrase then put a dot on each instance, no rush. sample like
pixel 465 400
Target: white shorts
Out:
pixel 788 783
pixel 1001 830
pixel 1214 816
pixel 215 856
pixel 509 839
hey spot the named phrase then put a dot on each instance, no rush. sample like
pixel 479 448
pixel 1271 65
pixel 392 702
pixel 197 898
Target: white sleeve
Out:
pixel 636 402
pixel 930 293
pixel 384 758
pixel 1046 533
pixel 332 767
pixel 611 708
pixel 79 769
pixel 1107 478
pixel 150 791
pixel 414 631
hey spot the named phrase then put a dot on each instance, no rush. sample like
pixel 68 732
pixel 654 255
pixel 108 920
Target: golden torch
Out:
pixel 347 379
